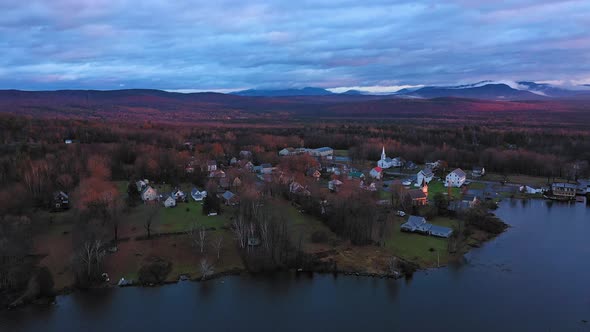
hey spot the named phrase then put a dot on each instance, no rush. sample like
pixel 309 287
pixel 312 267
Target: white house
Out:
pixel 287 152
pixel 170 202
pixel 376 173
pixel 322 152
pixel 478 171
pixel 424 176
pixel 198 195
pixel 456 178
pixel 149 194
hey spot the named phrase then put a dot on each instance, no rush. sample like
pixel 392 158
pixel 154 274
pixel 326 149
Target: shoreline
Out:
pixel 48 301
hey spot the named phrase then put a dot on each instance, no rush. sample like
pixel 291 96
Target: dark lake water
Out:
pixel 534 277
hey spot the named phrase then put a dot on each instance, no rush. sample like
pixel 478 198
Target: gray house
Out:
pixel 417 224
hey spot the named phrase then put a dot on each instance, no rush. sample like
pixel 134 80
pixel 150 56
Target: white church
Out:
pixel 386 162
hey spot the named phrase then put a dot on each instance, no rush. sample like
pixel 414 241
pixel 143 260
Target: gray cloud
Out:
pixel 106 44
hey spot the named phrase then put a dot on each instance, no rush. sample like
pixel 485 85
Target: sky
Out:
pixel 228 45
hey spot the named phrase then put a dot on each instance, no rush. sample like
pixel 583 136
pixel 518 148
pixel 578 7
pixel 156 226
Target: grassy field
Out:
pixel 341 153
pixel 186 215
pixel 477 185
pixel 533 181
pixel 302 225
pixel 418 248
pixel 435 187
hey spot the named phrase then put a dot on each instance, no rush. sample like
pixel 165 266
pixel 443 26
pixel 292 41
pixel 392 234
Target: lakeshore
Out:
pixel 536 232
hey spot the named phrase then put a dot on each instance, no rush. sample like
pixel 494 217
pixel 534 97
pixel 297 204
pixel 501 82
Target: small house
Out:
pixel 211 165
pixel 298 189
pixel 322 152
pixel 334 185
pixel 456 178
pixel 440 231
pixel 198 195
pixel 149 194
pixel 376 173
pixel 217 174
pixel 316 175
pixel 425 175
pixel 355 175
pixel 478 171
pixel 286 152
pixel 61 201
pixel 170 201
pixel 417 224
pixel 563 190
pixel 178 195
pixel 229 198
pixel 418 197
pixel 413 224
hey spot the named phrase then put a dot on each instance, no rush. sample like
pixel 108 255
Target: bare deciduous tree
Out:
pixel 217 245
pixel 240 229
pixel 206 269
pixel 197 237
pixel 91 255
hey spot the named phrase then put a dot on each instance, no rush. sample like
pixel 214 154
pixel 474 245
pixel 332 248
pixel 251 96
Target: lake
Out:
pixel 534 277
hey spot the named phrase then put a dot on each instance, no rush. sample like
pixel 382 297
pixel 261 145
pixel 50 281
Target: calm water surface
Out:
pixel 535 277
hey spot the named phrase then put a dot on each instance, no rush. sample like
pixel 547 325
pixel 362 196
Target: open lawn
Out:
pixel 477 185
pixel 533 181
pixel 341 153
pixel 435 187
pixel 185 215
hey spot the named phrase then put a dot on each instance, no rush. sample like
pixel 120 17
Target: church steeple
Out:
pixel 383 156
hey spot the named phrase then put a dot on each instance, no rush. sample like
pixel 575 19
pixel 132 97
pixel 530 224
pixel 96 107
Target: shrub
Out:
pixel 319 237
pixel 154 271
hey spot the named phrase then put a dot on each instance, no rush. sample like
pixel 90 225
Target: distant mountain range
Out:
pixel 139 105
pixel 308 91
pixel 487 90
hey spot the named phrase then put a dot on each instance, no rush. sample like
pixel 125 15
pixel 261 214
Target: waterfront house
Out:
pixel 563 190
pixel 456 178
pixel 417 224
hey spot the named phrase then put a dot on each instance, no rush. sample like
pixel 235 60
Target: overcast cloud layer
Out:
pixel 236 44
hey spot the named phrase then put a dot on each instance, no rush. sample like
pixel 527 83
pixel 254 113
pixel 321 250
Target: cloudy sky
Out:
pixel 237 44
